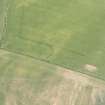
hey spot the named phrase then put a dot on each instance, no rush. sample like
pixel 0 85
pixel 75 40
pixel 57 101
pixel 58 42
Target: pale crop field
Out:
pixel 26 81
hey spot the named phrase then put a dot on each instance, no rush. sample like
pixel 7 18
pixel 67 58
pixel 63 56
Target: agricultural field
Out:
pixel 69 33
pixel 52 52
pixel 26 81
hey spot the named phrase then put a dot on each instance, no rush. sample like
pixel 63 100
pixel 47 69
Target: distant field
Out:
pixel 26 81
pixel 69 33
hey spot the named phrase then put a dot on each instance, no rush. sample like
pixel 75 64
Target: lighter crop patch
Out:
pixel 91 68
pixel 25 3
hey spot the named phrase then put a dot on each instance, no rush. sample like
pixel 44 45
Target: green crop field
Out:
pixel 69 33
pixel 66 34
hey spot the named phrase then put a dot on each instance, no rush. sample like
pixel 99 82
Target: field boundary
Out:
pixel 57 65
